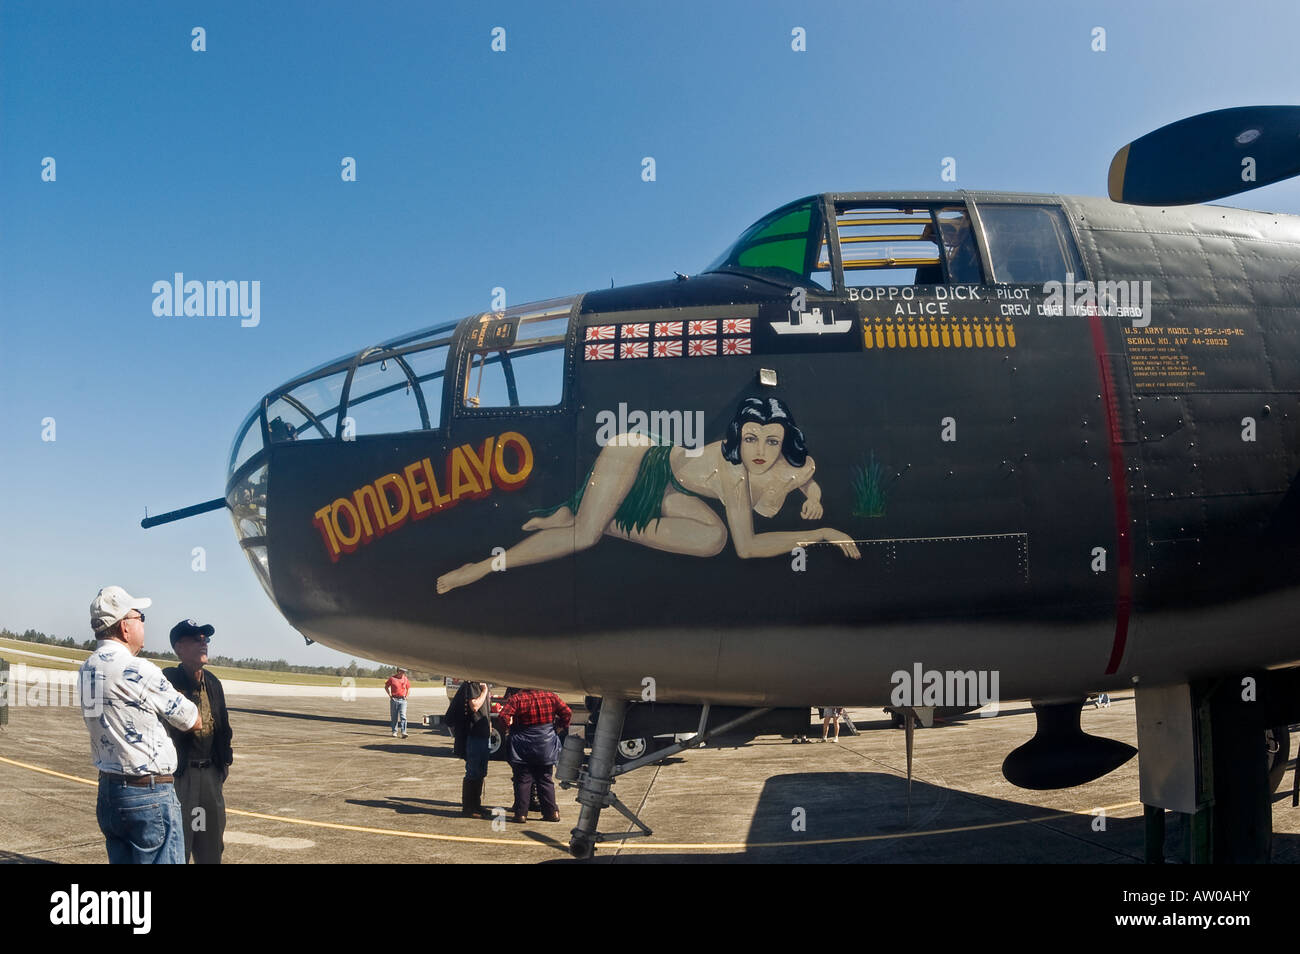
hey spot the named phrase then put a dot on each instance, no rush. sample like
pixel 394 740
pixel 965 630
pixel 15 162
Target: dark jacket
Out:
pixel 465 723
pixel 222 754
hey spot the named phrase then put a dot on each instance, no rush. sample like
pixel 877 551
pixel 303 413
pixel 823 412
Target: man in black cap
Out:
pixel 203 757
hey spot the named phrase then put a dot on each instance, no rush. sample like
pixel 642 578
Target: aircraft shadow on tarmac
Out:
pixel 411 806
pixel 17 858
pixel 432 751
pixel 858 812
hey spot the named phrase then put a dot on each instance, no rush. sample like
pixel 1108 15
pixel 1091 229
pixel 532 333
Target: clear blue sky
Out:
pixel 475 169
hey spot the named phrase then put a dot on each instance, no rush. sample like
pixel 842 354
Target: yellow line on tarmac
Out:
pixel 639 846
pixel 45 771
pixel 316 824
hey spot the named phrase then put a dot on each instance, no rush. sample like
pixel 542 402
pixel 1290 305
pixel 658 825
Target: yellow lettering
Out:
pixel 422 507
pixel 382 485
pixel 387 503
pixel 462 477
pixel 484 465
pixel 359 497
pixel 347 541
pixel 512 480
pixel 326 528
pixel 440 500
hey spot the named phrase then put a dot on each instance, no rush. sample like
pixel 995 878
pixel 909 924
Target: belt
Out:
pixel 200 763
pixel 138 780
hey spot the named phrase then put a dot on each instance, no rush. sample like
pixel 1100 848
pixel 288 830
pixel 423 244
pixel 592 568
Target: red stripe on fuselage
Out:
pixel 1119 488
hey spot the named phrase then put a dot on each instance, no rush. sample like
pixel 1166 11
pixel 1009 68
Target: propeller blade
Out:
pixel 1205 157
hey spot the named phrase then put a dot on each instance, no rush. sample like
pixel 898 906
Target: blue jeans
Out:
pixel 476 758
pixel 141 823
pixel 397 709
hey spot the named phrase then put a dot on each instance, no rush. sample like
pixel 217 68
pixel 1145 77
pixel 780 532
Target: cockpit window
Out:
pixel 308 412
pixel 1029 244
pixel 783 246
pixel 382 399
pixel 906 245
pixel 919 244
pixel 959 248
pixel 517 360
pixel 248 439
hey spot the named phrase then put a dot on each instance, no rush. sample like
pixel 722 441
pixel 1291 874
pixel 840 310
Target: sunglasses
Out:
pixel 139 616
pixel 198 639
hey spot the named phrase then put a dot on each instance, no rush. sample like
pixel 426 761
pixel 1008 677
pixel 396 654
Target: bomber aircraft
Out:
pixel 887 447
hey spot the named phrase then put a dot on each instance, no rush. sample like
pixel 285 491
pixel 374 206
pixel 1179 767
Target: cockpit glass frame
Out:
pixel 519 359
pixel 832 241
pixel 782 247
pixel 308 418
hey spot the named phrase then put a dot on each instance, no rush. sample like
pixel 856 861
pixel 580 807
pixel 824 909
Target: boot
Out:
pixel 471 796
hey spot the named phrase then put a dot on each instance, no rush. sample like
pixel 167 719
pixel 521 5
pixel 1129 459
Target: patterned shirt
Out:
pixel 535 707
pixel 123 710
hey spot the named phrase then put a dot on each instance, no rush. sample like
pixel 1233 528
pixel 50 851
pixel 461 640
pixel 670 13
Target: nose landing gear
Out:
pixel 595 782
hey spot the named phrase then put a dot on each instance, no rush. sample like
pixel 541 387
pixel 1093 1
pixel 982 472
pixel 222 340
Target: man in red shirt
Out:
pixel 533 717
pixel 398 688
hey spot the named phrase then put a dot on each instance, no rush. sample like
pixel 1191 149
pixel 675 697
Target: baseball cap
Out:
pixel 111 604
pixel 187 627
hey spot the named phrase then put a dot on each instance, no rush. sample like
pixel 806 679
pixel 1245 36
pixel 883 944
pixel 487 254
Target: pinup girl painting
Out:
pixel 653 494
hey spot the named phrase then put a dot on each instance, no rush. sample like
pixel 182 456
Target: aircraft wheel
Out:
pixel 580 846
pixel 494 745
pixel 1279 751
pixel 631 749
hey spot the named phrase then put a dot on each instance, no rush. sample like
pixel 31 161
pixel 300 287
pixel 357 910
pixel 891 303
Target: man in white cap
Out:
pixel 137 808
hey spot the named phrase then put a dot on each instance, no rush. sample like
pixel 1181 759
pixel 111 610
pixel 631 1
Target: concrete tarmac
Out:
pixel 322 781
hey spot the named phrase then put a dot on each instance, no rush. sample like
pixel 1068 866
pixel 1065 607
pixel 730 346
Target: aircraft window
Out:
pixel 307 412
pixel 249 440
pixel 538 330
pixel 823 275
pixel 781 246
pixel 247 504
pixel 1029 244
pixel 381 399
pixel 527 376
pixel 959 246
pixel 888 246
pixel 429 366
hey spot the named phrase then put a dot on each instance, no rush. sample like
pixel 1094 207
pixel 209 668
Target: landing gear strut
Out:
pixel 595 782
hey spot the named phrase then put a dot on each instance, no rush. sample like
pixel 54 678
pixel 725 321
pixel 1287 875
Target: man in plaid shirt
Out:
pixel 532 717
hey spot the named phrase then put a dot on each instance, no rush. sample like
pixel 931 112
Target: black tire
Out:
pixel 580 846
pixel 1279 756
pixel 496 751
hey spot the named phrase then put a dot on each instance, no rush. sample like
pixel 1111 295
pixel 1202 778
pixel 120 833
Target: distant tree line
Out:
pixel 271 665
